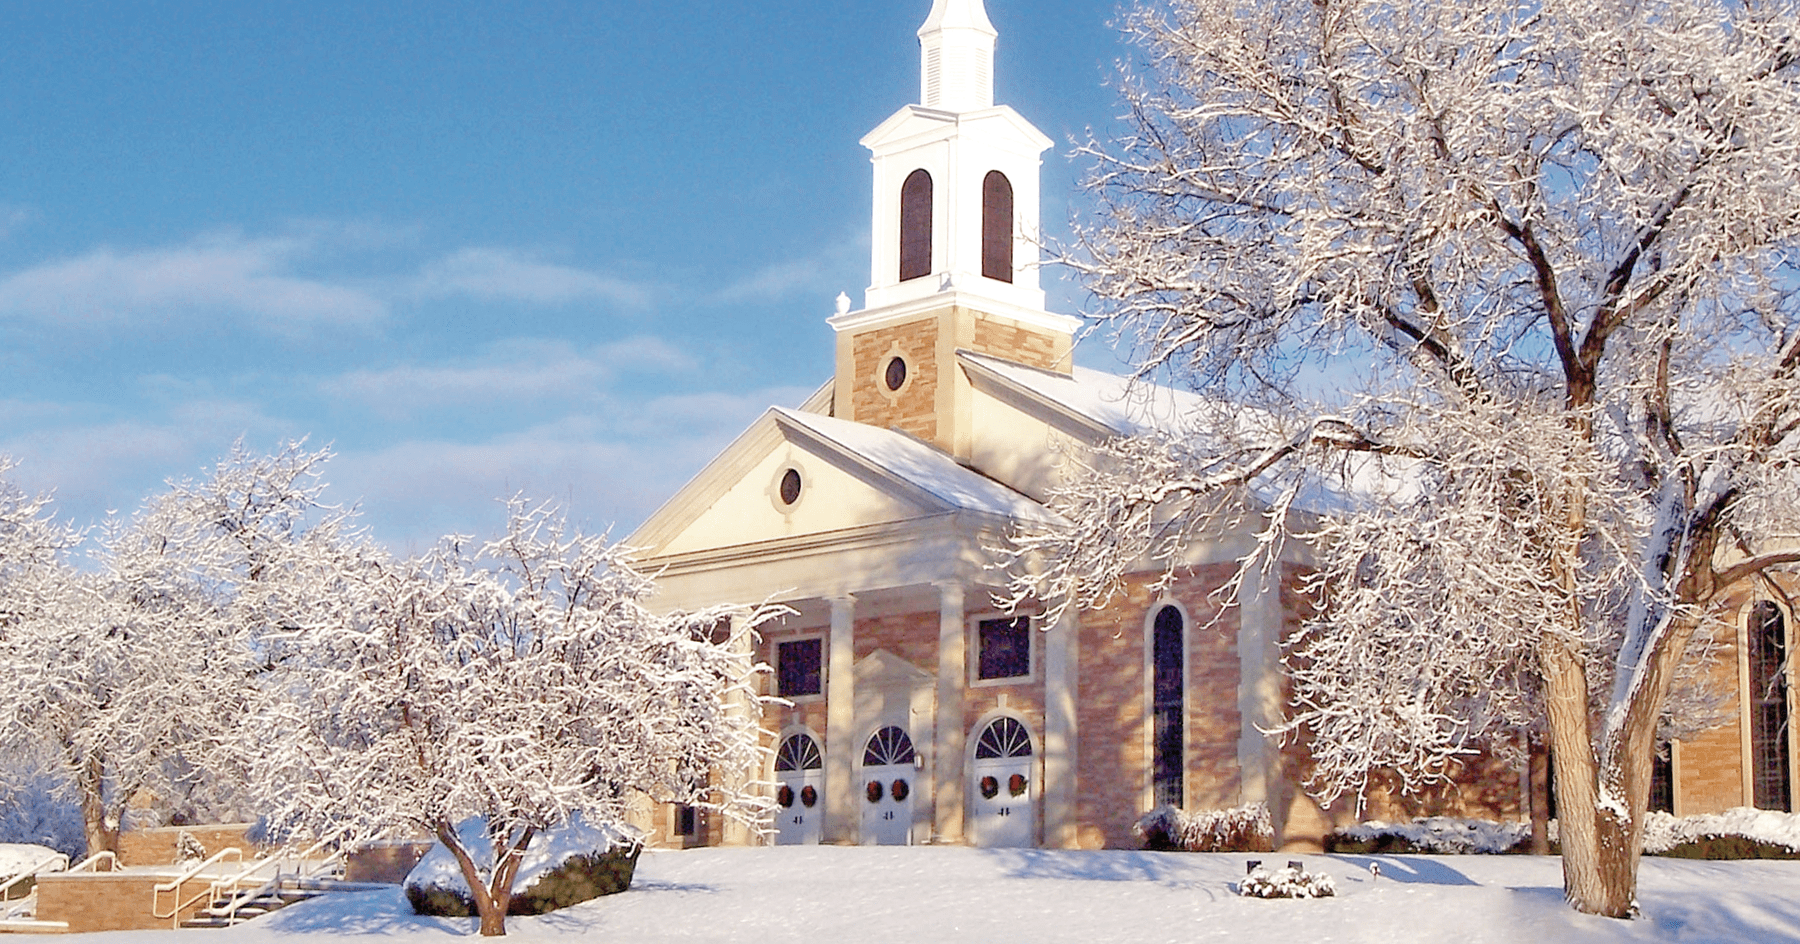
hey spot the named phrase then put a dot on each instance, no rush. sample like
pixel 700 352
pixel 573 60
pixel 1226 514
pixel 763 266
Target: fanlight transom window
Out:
pixel 799 752
pixel 1006 737
pixel 890 745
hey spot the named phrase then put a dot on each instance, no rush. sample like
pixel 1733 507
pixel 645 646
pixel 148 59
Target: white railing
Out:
pixel 185 877
pixel 59 860
pixel 92 863
pixel 231 888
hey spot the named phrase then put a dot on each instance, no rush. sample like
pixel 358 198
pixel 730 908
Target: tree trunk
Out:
pixel 493 914
pixel 1599 874
pixel 1538 779
pixel 101 835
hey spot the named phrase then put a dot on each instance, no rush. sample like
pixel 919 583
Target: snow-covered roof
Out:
pixel 1117 404
pixel 920 465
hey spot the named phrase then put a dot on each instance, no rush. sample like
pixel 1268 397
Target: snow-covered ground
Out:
pixel 824 895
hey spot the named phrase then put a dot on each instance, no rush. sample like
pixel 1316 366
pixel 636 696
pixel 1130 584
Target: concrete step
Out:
pixel 32 926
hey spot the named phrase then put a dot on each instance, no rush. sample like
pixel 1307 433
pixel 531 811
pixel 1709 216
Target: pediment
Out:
pixel 883 670
pixel 738 499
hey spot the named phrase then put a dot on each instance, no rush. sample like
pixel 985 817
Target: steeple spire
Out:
pixel 956 46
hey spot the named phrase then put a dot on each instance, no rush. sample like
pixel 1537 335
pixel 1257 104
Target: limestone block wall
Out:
pixel 914 407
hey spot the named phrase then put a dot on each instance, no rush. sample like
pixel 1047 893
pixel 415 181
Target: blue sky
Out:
pixel 476 247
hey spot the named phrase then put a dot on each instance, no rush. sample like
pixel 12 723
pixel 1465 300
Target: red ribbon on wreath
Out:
pixel 990 788
pixel 874 791
pixel 1015 784
pixel 785 796
pixel 901 791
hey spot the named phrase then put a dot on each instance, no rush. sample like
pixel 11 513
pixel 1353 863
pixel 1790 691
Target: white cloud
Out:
pixel 219 274
pixel 507 275
pixel 811 274
pixel 605 473
pixel 517 372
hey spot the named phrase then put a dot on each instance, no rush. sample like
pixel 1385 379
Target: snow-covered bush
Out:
pixel 1432 835
pixel 565 866
pixel 1740 833
pixel 1286 882
pixel 1246 828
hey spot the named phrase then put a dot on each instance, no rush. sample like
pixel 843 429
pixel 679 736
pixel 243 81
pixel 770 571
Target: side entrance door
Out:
pixel 1003 796
pixel 889 775
pixel 800 792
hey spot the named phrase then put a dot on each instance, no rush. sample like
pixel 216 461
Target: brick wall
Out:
pixel 911 636
pixel 1112 764
pixel 111 902
pixel 158 846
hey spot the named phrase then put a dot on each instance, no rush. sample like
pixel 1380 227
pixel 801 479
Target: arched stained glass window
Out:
pixel 915 226
pixel 799 752
pixel 997 227
pixel 1006 737
pixel 1768 707
pixel 890 745
pixel 1166 689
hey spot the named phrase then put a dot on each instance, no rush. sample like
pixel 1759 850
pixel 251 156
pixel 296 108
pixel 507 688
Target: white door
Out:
pixel 1003 794
pixel 800 792
pixel 889 776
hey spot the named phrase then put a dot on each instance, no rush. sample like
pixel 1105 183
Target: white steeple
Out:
pixel 956 47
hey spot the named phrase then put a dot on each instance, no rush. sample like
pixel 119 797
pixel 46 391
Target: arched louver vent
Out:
pixel 890 745
pixel 1006 737
pixel 799 752
pixel 997 227
pixel 915 226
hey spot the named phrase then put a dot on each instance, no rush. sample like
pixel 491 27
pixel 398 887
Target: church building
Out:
pixel 920 713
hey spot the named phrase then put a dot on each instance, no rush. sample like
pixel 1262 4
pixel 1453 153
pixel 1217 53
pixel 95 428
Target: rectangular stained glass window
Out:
pixel 1005 648
pixel 798 668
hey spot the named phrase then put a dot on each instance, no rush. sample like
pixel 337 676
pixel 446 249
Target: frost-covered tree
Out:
pixel 520 682
pixel 1504 293
pixel 131 671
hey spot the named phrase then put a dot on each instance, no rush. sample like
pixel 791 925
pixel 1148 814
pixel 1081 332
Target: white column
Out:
pixel 1061 657
pixel 734 832
pixel 841 820
pixel 950 736
pixel 1259 690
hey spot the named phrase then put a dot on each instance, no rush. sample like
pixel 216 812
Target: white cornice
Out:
pixel 954 297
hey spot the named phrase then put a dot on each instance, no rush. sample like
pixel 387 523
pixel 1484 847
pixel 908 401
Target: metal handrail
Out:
pixel 234 884
pixel 91 862
pixel 6 887
pixel 185 877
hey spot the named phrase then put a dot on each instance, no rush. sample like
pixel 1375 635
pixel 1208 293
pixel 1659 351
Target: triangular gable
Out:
pixel 736 500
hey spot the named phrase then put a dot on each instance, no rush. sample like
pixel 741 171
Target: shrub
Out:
pixel 1286 882
pixel 1740 833
pixel 1238 829
pixel 1433 835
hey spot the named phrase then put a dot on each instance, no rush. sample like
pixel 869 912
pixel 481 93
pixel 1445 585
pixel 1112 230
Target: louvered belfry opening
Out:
pixel 915 226
pixel 997 227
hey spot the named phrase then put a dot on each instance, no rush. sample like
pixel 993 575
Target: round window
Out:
pixel 895 374
pixel 790 487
